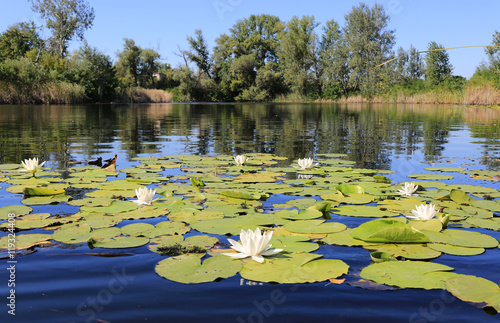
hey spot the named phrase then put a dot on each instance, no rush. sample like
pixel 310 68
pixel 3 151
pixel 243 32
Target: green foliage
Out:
pixel 368 42
pixel 18 40
pixel 438 66
pixel 66 19
pixel 137 66
pixel 23 77
pixel 95 71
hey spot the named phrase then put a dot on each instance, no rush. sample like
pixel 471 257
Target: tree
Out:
pixel 18 40
pixel 369 44
pixel 66 19
pixel 136 66
pixel 409 66
pixel 149 64
pixel 128 63
pixel 493 53
pixel 298 55
pixel 438 66
pixel 251 41
pixel 333 61
pixel 199 53
pixel 95 71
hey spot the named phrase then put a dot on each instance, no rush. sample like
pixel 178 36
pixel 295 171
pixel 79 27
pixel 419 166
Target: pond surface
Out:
pixel 63 283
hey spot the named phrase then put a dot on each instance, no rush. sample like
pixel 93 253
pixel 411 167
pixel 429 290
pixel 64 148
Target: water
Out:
pixel 65 284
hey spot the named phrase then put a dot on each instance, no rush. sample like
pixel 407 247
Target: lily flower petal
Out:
pixel 253 244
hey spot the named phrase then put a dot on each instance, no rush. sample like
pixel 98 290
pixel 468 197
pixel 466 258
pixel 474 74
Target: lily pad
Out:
pixel 23 241
pixel 475 289
pixel 314 226
pixel 294 268
pixel 408 274
pixel 388 231
pixel 455 250
pixel 188 268
pixel 408 251
pixel 14 209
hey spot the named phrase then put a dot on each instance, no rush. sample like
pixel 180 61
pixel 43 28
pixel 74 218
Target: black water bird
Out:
pixel 97 162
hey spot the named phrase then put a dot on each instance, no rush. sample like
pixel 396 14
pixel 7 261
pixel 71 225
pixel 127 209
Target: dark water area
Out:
pixel 64 283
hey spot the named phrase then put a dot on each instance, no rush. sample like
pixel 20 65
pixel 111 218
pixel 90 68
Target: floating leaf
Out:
pixel 460 197
pixel 293 243
pixel 294 268
pixel 24 241
pixel 431 177
pixel 345 238
pixel 42 191
pixel 388 231
pixel 408 251
pixel 475 289
pixel 122 242
pixel 455 250
pixel 295 215
pixel 114 207
pixel 14 209
pixel 188 269
pixel 314 226
pixel 408 274
pixel 364 211
pixel 240 195
pixel 462 238
pixel 350 189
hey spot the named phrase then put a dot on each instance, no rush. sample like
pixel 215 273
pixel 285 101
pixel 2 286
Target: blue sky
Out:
pixel 164 25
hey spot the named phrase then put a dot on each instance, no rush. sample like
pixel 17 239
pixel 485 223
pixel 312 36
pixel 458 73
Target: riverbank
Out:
pixel 69 93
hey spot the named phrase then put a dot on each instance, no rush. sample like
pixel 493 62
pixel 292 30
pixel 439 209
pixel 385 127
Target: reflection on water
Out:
pixel 371 134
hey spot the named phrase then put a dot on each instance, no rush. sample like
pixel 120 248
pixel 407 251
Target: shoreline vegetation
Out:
pixel 260 59
pixel 66 93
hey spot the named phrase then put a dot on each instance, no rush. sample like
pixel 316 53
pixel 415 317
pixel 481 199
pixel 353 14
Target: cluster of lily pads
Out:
pixel 198 200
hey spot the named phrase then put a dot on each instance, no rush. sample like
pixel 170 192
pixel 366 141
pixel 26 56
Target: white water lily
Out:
pixel 144 196
pixel 31 165
pixel 423 212
pixel 408 189
pixel 253 244
pixel 306 163
pixel 240 160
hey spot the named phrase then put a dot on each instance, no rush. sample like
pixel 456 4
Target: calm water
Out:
pixel 62 285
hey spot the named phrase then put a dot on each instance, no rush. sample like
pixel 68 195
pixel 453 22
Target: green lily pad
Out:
pixel 475 289
pixel 232 226
pixel 350 199
pixel 42 191
pixel 294 268
pixel 293 243
pixel 14 209
pixel 350 189
pixel 114 207
pixel 364 211
pixel 379 256
pixel 314 226
pixel 188 268
pixel 74 233
pixel 46 199
pixel 408 251
pixel 462 238
pixel 408 274
pixel 388 231
pixel 455 250
pixel 431 177
pixel 296 215
pixel 24 241
pixel 122 242
pixel 345 238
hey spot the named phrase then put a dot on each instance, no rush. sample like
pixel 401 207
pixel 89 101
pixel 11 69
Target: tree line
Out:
pixel 260 58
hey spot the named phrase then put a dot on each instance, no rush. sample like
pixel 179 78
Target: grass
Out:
pixel 141 95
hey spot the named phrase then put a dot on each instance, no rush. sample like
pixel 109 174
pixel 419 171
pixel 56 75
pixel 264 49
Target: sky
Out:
pixel 164 25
